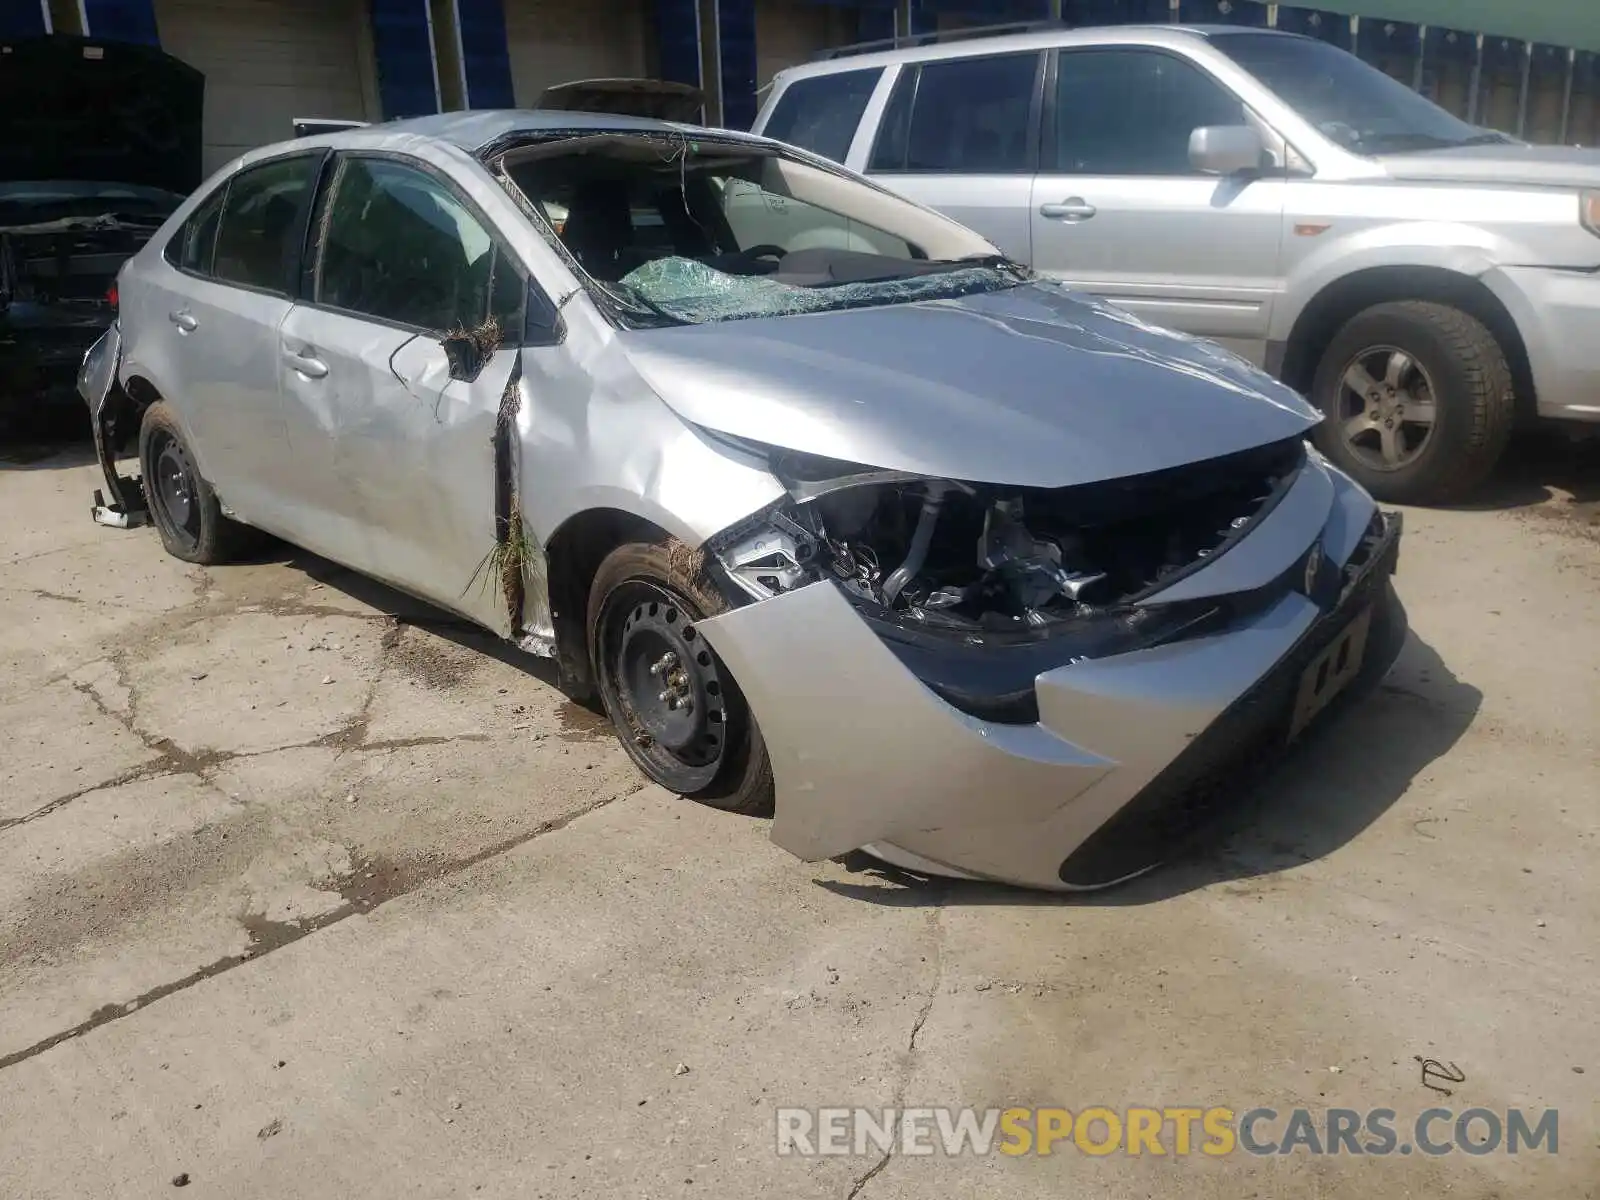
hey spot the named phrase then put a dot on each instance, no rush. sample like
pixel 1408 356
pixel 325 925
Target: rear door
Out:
pixel 1118 210
pixel 215 319
pixel 961 135
pixel 403 262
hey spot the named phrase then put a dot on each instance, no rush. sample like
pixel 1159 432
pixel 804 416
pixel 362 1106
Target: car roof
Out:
pixel 1043 39
pixel 476 129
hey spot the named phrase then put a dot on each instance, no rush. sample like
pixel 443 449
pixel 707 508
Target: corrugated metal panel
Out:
pixel 21 18
pixel 736 33
pixel 1560 22
pixel 267 62
pixel 552 41
pixel 789 32
pixel 677 26
pixel 402 42
pixel 485 59
pixel 121 20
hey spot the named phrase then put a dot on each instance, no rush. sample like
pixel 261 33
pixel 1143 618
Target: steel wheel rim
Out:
pixel 666 685
pixel 174 489
pixel 1387 408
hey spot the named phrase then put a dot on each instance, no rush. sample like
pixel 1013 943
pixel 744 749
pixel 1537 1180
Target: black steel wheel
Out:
pixel 170 487
pixel 183 507
pixel 677 711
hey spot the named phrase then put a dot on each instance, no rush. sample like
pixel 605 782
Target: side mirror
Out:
pixel 1226 149
pixel 470 350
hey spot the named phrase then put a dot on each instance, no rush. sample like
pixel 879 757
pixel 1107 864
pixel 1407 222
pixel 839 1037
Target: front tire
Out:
pixel 677 711
pixel 182 505
pixel 1418 402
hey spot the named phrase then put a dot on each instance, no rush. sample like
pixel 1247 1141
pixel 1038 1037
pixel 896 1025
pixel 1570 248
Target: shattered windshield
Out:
pixel 674 230
pixel 693 292
pixel 1358 106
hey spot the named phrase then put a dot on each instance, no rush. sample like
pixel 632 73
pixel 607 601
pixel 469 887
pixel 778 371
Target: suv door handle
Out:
pixel 184 320
pixel 308 365
pixel 1074 209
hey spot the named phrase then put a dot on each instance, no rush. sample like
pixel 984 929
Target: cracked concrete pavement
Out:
pixel 307 891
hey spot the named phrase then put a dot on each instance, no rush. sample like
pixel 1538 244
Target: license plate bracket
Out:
pixel 1330 672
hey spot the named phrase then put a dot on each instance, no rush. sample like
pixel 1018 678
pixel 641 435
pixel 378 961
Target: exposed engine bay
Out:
pixel 988 560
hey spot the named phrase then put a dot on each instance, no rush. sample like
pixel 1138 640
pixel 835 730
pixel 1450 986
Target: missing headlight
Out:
pixel 986 561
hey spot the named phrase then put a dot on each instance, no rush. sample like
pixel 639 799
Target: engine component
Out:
pixel 979 561
pixel 769 561
pixel 932 503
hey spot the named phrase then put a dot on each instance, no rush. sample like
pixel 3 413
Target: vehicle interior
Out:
pixel 621 202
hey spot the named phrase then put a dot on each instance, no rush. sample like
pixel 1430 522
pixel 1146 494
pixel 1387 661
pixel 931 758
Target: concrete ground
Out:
pixel 306 892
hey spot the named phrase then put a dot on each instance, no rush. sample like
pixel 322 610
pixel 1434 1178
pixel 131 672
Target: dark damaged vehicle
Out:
pixel 99 143
pixel 825 501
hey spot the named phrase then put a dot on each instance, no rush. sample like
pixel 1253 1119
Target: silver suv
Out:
pixel 1425 282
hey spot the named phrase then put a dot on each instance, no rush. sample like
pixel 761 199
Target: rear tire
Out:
pixel 1419 402
pixel 183 508
pixel 677 710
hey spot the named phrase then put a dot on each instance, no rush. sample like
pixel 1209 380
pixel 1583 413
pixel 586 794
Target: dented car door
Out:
pixel 393 368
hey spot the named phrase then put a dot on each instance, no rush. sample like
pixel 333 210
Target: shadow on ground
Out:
pixel 1542 466
pixel 52 438
pixel 1322 795
pixel 408 610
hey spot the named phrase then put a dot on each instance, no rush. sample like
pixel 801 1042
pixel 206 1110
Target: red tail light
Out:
pixel 111 295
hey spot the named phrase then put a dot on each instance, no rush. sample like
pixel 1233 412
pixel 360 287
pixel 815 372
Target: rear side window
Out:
pixel 820 114
pixel 192 247
pixel 399 245
pixel 1130 112
pixel 961 116
pixel 257 239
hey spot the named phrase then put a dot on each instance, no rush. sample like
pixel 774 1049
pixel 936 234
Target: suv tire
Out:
pixel 1419 401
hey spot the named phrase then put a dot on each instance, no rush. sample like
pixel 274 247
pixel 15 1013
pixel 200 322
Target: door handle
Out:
pixel 308 365
pixel 184 320
pixel 1074 209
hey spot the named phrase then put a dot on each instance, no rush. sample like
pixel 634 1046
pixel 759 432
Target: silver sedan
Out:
pixel 828 504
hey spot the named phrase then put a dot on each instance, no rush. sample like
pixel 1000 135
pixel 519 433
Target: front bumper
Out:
pixel 866 756
pixel 1558 315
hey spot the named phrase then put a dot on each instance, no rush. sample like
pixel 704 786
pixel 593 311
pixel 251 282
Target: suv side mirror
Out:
pixel 1226 149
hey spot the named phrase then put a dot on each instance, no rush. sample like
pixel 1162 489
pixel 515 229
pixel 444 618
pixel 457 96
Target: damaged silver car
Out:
pixel 832 507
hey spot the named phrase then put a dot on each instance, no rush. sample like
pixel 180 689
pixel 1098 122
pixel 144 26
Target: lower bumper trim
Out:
pixel 1245 738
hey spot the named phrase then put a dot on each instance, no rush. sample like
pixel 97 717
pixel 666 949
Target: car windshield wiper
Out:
pixel 1427 141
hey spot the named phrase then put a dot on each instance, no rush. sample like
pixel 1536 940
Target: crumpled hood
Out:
pixel 1033 386
pixel 1541 166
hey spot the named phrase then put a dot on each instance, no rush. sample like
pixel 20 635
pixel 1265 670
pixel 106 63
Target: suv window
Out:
pixel 962 116
pixel 399 245
pixel 256 239
pixel 820 114
pixel 192 247
pixel 1130 112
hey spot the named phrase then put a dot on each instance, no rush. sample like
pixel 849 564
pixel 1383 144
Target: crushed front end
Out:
pixel 1047 687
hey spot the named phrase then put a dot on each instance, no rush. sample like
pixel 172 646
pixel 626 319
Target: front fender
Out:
pixel 1465 250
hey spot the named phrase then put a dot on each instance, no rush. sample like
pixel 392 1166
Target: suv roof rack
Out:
pixel 903 41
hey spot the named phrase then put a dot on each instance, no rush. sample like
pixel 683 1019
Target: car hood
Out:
pixel 1033 386
pixel 1542 166
pixel 90 110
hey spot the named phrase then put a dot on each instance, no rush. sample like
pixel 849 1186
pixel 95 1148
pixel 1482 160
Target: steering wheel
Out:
pixel 764 250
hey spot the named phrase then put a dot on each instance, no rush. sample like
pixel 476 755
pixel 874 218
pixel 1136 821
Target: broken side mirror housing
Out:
pixel 1226 149
pixel 469 351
